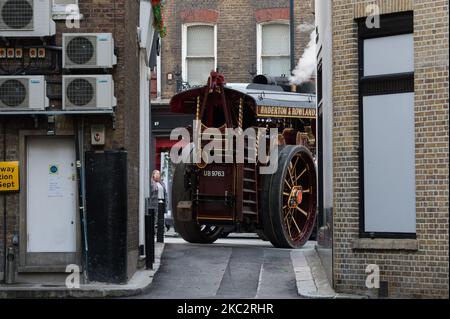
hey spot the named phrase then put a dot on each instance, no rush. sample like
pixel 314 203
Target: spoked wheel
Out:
pixel 292 200
pixel 190 231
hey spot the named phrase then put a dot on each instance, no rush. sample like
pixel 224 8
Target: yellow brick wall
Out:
pixel 422 273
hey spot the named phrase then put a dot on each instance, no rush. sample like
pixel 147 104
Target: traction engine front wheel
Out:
pixel 289 198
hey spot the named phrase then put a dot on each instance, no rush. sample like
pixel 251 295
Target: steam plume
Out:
pixel 306 66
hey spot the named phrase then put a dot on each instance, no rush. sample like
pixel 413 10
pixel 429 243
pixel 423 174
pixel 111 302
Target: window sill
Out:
pixel 385 244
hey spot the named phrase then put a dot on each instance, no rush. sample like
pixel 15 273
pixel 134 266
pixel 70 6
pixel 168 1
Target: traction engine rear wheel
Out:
pixel 192 231
pixel 292 199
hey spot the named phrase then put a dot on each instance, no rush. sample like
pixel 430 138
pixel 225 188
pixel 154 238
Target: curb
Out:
pixel 138 284
pixel 311 279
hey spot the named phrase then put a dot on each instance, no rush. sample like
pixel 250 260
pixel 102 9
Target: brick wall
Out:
pixel 99 16
pixel 130 107
pixel 9 136
pixel 421 273
pixel 121 18
pixel 236 32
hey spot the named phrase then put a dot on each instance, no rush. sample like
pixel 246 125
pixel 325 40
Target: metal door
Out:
pixel 51 201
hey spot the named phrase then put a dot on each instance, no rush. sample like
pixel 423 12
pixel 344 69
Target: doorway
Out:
pixel 51 202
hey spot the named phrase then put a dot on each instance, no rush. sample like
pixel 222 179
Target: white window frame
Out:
pixel 59 11
pixel 184 56
pixel 259 56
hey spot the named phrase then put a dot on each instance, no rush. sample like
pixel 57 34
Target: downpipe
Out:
pixel 79 149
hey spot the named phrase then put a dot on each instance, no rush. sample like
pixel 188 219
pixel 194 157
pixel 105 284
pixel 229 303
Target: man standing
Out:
pixel 159 200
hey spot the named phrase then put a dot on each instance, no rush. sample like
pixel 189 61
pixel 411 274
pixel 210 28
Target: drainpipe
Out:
pixel 79 149
pixel 292 30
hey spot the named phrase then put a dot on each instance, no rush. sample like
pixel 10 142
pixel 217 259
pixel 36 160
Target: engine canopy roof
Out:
pixel 268 100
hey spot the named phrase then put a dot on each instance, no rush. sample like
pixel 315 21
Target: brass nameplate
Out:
pixel 285 111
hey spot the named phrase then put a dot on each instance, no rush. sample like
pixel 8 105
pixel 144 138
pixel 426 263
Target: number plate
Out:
pixel 208 173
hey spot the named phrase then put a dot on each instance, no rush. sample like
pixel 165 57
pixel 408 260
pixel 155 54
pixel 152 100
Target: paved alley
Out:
pixel 230 268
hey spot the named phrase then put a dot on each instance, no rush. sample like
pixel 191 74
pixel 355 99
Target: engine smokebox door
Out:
pixel 184 211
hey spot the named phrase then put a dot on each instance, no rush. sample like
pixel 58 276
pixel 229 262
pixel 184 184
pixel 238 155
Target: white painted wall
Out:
pixel 144 140
pixel 146 28
pixel 323 22
pixel 147 33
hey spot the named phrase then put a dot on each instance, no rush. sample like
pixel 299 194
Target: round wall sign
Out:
pixel 53 169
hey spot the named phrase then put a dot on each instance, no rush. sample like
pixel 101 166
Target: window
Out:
pixel 387 153
pixel 199 53
pixel 389 55
pixel 273 49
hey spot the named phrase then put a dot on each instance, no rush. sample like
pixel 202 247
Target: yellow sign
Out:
pixel 284 111
pixel 9 176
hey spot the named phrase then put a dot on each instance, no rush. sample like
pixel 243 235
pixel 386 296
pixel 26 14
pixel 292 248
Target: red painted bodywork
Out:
pixel 231 198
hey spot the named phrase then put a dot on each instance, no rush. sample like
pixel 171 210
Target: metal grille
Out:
pixel 81 51
pixel 80 92
pixel 12 93
pixel 16 14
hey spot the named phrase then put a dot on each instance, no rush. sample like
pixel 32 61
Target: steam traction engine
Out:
pixel 211 199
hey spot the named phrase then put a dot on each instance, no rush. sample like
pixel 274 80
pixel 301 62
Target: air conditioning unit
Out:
pixel 23 93
pixel 88 51
pixel 88 92
pixel 26 18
